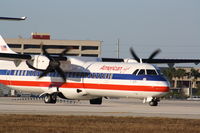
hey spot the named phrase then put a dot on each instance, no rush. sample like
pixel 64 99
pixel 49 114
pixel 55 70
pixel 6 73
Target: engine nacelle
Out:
pixel 75 94
pixel 40 62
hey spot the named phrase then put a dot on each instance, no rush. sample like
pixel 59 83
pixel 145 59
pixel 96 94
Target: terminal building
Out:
pixel 37 41
pixel 186 82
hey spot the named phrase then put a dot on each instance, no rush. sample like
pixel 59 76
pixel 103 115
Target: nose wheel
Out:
pixel 154 102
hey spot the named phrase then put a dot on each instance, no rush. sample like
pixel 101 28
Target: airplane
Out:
pixel 13 19
pixel 84 78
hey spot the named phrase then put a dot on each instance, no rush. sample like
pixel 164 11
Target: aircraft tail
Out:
pixel 4 47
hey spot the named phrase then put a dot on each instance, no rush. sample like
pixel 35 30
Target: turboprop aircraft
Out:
pixel 84 78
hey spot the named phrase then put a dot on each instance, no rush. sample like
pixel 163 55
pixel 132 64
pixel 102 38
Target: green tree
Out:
pixel 180 74
pixel 195 74
pixel 169 73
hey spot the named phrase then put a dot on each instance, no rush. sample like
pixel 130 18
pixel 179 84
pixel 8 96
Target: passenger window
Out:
pixel 18 72
pixel 151 72
pixel 135 72
pixel 15 73
pixel 22 72
pixel 141 72
pixel 25 73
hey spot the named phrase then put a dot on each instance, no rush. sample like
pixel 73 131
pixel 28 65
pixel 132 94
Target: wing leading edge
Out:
pixel 156 61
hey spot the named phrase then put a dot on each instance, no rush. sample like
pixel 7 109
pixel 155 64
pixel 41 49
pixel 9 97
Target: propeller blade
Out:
pixel 62 73
pixel 32 67
pixel 65 51
pixel 46 53
pixel 48 70
pixel 154 54
pixel 134 55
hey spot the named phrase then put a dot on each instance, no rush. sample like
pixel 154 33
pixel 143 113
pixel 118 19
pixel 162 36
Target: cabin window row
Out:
pixel 68 74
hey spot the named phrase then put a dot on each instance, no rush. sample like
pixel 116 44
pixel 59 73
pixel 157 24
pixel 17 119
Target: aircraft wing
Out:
pixel 171 61
pixel 155 61
pixel 15 57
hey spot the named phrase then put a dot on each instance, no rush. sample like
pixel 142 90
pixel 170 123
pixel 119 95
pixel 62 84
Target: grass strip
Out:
pixel 11 123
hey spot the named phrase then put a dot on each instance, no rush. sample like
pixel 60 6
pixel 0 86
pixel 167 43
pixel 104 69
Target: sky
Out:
pixel 146 25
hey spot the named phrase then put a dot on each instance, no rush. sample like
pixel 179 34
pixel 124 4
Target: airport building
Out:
pixel 37 41
pixel 185 81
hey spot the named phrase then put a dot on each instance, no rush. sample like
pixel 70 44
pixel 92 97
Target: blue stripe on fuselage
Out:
pixel 86 75
pixel 138 77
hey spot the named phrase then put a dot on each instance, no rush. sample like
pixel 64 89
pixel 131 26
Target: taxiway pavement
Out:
pixel 110 107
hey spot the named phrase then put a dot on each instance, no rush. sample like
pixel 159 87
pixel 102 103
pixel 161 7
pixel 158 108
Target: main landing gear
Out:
pixel 96 101
pixel 50 98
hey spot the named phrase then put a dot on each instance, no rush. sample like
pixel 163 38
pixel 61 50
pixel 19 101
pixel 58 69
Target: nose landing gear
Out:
pixel 153 101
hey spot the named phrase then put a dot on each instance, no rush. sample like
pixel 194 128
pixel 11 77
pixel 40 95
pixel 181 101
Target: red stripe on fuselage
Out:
pixel 87 86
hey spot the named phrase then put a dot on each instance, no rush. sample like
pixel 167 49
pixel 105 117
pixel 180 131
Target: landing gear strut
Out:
pixel 50 98
pixel 154 102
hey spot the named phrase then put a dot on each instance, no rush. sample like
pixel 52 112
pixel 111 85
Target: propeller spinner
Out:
pixel 54 64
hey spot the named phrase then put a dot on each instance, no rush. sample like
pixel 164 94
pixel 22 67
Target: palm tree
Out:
pixel 180 74
pixel 169 73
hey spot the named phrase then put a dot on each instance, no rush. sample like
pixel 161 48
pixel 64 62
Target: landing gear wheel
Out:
pixel 153 103
pixel 50 98
pixel 96 101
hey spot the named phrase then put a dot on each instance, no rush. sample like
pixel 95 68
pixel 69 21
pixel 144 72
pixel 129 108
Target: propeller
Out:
pixel 54 64
pixel 134 55
pixel 156 52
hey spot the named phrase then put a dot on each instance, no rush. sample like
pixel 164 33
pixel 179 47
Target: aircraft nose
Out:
pixel 166 85
pixel 161 88
pixel 163 85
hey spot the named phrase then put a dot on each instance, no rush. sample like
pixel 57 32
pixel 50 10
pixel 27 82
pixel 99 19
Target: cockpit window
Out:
pixel 141 72
pixel 151 72
pixel 159 72
pixel 135 72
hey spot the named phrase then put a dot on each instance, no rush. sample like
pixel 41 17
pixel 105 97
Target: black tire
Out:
pixel 96 101
pixel 50 98
pixel 153 103
pixel 53 98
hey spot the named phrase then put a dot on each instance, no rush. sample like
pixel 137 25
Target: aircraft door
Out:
pixel 82 82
